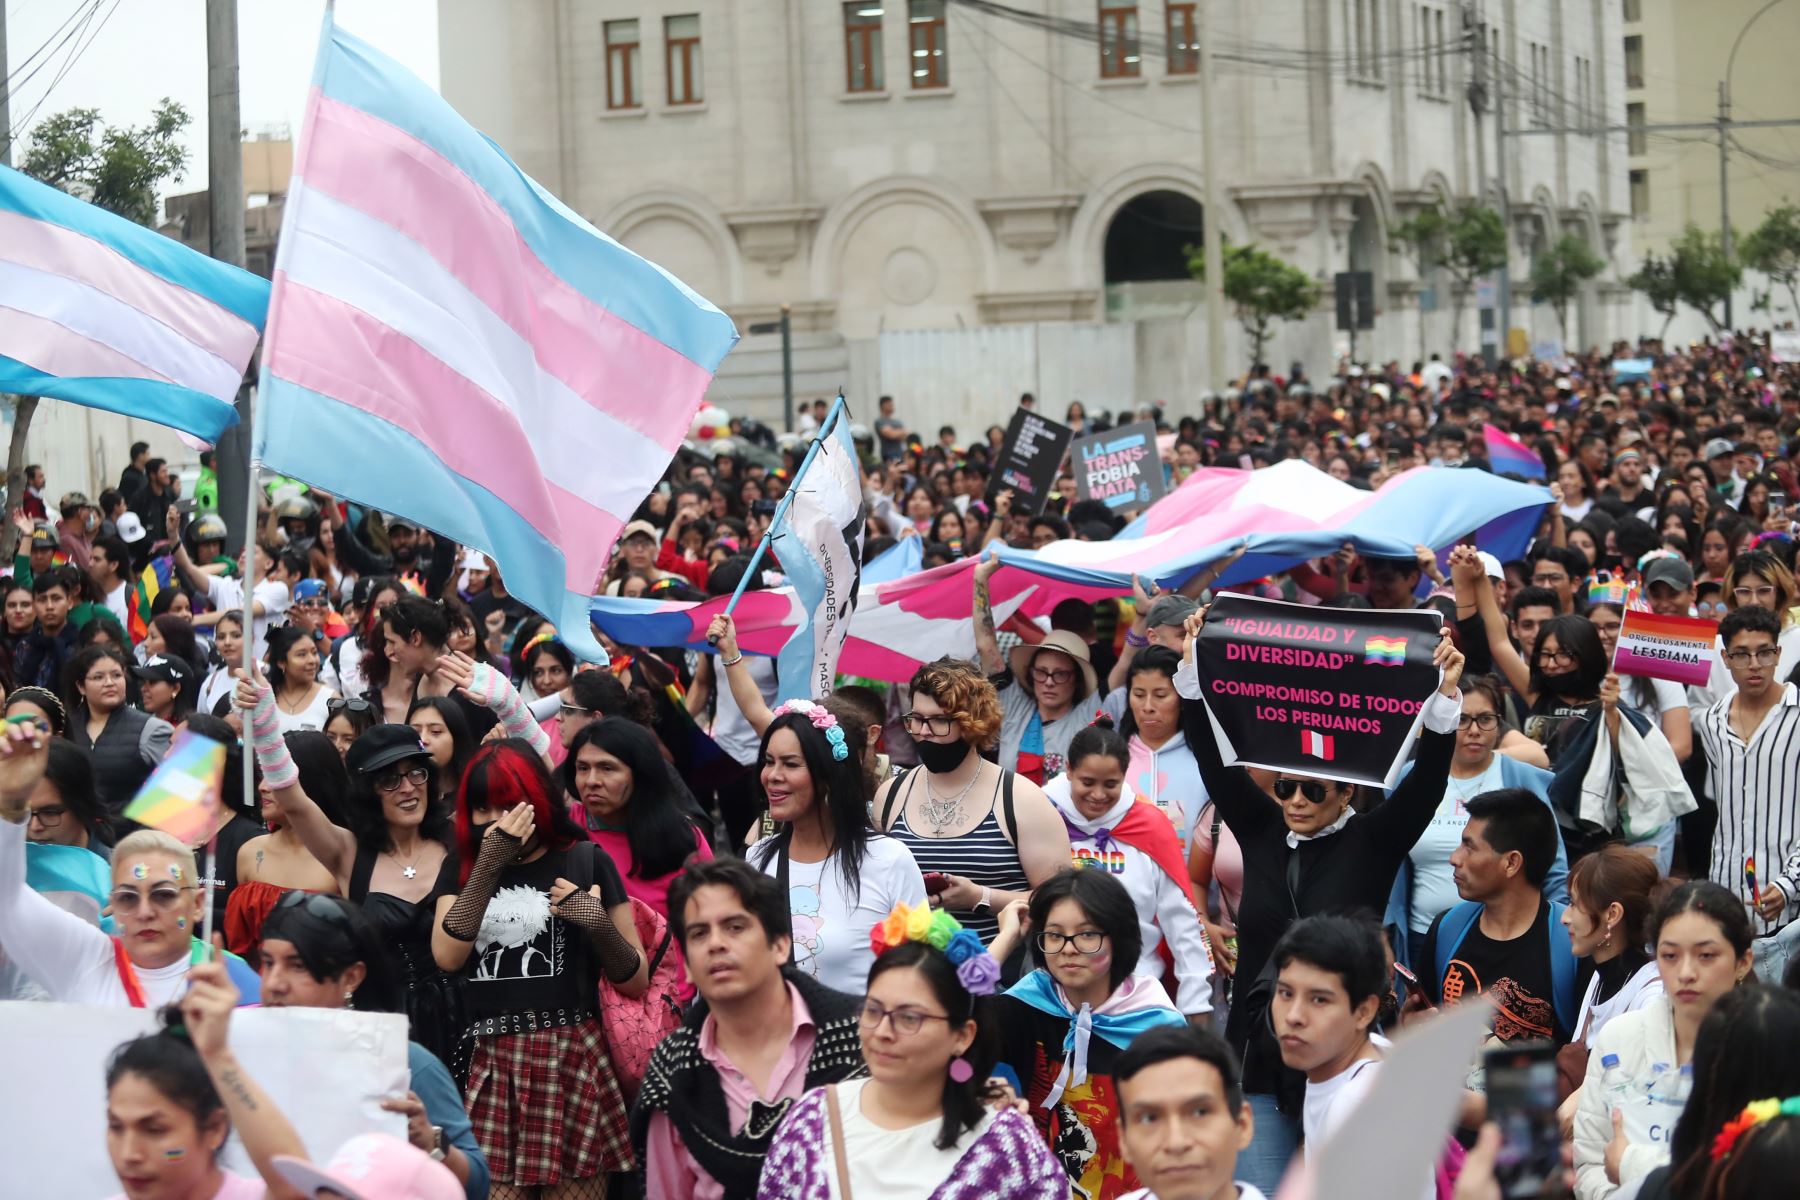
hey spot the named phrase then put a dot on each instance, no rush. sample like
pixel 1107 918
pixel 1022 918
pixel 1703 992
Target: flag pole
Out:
pixel 825 427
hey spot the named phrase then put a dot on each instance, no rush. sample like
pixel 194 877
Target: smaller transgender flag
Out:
pixel 1509 456
pixel 181 797
pixel 1385 652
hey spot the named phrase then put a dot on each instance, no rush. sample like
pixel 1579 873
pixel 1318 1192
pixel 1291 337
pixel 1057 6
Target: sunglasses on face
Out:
pixel 1312 789
pixel 162 898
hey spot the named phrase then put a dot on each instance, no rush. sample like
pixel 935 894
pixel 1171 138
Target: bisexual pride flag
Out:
pixel 450 342
pixel 181 797
pixel 1509 456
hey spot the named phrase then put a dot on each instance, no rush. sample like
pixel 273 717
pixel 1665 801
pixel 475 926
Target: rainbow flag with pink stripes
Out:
pixel 98 310
pixel 450 342
pixel 181 797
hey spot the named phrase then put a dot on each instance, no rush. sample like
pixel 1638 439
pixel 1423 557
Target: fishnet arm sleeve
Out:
pixel 463 921
pixel 618 957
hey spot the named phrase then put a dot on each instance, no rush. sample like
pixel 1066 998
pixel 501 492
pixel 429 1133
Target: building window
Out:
pixel 930 63
pixel 1640 194
pixel 862 46
pixel 624 88
pixel 1434 78
pixel 1184 40
pixel 1634 10
pixel 1634 62
pixel 1634 137
pixel 1119 56
pixel 681 43
pixel 1362 19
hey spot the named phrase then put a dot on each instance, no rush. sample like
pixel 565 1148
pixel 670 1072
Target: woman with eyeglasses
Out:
pixel 1309 853
pixel 321 952
pixel 991 835
pixel 440 724
pixel 1757 577
pixel 63 808
pixel 155 904
pixel 1064 1025
pixel 125 742
pixel 346 720
pixel 1045 690
pixel 278 862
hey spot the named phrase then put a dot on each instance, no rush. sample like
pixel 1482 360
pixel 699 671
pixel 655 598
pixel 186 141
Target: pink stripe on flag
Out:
pixel 57 251
pixel 54 349
pixel 337 351
pixel 380 170
pixel 587 544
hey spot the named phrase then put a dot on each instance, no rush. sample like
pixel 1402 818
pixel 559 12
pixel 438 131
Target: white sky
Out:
pixel 148 49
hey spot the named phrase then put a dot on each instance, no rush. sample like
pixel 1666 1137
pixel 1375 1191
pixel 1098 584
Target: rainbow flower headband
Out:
pixel 976 969
pixel 821 720
pixel 1754 1114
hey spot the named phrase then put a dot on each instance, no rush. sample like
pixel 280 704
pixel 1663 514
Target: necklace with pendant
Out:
pixel 410 871
pixel 941 813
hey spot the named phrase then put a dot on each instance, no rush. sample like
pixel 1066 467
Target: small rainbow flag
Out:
pixel 181 797
pixel 1509 456
pixel 1385 651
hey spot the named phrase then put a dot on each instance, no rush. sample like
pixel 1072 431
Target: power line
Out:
pixel 80 47
pixel 11 85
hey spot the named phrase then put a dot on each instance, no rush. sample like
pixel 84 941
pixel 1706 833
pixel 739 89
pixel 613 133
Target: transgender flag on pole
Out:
pixel 449 342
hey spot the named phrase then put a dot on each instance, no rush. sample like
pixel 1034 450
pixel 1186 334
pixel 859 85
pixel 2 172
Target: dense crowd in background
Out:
pixel 1009 928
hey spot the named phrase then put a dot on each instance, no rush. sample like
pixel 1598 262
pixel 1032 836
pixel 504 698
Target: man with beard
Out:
pixel 1506 939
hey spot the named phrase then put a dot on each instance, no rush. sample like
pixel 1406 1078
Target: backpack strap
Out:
pixel 1562 969
pixel 1453 927
pixel 1009 824
pixel 901 782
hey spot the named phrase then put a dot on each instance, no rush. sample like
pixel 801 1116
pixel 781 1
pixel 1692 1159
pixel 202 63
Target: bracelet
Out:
pixel 732 662
pixel 985 901
pixel 1136 641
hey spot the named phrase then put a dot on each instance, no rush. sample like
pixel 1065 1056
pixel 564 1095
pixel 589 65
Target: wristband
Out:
pixel 732 662
pixel 1136 641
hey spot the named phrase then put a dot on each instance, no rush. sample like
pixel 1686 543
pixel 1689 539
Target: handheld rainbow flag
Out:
pixel 1385 652
pixel 181 797
pixel 1509 456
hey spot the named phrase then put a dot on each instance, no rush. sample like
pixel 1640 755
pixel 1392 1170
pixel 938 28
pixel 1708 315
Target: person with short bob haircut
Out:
pixel 1181 1115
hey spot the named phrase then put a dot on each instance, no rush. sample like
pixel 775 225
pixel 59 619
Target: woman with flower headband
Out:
pixel 840 876
pixel 919 1125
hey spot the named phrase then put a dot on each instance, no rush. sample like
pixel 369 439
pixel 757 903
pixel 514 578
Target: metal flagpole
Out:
pixel 831 419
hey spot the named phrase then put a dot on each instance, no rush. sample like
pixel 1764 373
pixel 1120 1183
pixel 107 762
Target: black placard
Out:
pixel 1120 468
pixel 1333 693
pixel 1029 460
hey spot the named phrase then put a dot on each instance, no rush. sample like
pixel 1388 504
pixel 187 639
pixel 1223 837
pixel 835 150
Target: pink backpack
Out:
pixel 634 1024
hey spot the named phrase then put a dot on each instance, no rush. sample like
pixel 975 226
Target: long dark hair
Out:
pixel 505 773
pixel 322 774
pixel 1159 659
pixel 1577 637
pixel 168 1062
pixel 371 637
pixel 601 692
pixel 660 837
pixel 330 945
pixel 842 788
pixel 71 773
pixel 282 639
pixel 363 813
pixel 462 739
pixel 1748 1048
pixel 964 1103
pixel 178 638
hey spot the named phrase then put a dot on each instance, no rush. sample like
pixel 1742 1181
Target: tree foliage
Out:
pixel 1262 287
pixel 1468 241
pixel 1774 249
pixel 1655 278
pixel 1559 274
pixel 1704 276
pixel 112 167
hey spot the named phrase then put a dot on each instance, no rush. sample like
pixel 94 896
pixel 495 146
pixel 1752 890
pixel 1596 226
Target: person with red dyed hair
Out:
pixel 541 913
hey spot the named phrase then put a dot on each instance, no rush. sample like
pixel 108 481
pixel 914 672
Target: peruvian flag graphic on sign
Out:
pixel 1318 745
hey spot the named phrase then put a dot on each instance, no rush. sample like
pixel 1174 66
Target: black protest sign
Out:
pixel 1328 692
pixel 1029 460
pixel 1120 468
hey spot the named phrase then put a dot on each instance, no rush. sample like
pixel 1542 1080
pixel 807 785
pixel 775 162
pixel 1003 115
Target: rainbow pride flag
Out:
pixel 1681 649
pixel 1385 652
pixel 181 797
pixel 158 573
pixel 1509 456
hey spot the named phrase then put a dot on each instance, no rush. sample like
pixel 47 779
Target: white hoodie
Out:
pixel 1163 908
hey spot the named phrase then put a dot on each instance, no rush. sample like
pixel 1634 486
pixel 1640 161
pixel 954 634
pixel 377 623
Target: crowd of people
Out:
pixel 1011 927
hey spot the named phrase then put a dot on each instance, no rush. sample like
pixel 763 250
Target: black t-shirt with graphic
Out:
pixel 1514 974
pixel 526 959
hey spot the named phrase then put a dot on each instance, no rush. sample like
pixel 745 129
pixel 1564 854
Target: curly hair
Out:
pixel 962 691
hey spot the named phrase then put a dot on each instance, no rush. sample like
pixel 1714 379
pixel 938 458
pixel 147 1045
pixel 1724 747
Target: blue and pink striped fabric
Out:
pixel 98 310
pixel 449 342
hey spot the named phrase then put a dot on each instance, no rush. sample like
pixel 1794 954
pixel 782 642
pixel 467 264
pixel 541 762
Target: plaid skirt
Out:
pixel 546 1107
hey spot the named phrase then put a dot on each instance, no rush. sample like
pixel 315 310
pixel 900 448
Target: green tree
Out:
pixel 1655 278
pixel 1559 273
pixel 1262 288
pixel 118 169
pixel 1468 241
pixel 1704 276
pixel 1774 249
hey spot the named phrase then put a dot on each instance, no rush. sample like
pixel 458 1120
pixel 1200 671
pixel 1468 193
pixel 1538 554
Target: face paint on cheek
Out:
pixel 181 922
pixel 1100 959
pixel 175 872
pixel 174 1154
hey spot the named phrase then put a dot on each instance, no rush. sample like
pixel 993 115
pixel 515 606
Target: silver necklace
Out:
pixel 943 813
pixel 410 871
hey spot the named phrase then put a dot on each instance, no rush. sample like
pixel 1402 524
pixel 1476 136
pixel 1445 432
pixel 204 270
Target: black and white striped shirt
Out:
pixel 1757 789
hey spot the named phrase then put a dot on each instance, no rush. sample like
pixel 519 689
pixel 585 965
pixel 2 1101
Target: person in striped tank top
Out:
pixel 983 836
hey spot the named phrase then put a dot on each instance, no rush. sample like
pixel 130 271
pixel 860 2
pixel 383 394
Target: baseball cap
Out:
pixel 1717 448
pixel 131 529
pixel 164 668
pixel 1490 565
pixel 373 1166
pixel 1673 571
pixel 383 746
pixel 309 589
pixel 42 536
pixel 1169 610
pixel 634 528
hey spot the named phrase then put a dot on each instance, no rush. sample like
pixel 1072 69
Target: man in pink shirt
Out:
pixel 757 1037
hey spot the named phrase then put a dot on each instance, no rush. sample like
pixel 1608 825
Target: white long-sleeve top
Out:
pixel 1643 1040
pixel 63 954
pixel 1163 908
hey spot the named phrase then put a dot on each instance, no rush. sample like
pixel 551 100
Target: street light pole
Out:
pixel 1725 145
pixel 1211 233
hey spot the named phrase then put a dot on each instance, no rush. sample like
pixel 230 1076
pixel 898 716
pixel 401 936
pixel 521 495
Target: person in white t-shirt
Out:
pixel 109 566
pixel 841 877
pixel 1182 1117
pixel 275 578
pixel 1331 975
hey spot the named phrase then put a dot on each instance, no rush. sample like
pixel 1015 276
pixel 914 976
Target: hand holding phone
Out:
pixel 1521 1091
pixel 936 882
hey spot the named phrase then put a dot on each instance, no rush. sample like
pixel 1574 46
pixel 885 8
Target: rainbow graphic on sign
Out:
pixel 181 797
pixel 1385 651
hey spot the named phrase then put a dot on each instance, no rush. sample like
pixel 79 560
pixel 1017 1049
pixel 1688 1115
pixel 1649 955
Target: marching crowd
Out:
pixel 1009 928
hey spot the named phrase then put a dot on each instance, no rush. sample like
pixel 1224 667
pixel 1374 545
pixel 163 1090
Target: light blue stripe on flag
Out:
pixel 818 537
pixel 150 399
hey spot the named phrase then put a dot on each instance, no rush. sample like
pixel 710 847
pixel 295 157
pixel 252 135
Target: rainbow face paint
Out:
pixel 174 1154
pixel 181 922
pixel 175 872
pixel 140 871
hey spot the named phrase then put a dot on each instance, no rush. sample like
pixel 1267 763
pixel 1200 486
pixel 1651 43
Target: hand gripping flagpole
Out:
pixel 825 428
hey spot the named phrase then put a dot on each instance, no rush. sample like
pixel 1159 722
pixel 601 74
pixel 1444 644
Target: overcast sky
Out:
pixel 148 49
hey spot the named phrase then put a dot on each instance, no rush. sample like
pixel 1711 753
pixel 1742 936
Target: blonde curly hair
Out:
pixel 963 692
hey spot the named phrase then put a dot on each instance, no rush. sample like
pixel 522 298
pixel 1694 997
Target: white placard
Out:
pixel 1784 345
pixel 327 1069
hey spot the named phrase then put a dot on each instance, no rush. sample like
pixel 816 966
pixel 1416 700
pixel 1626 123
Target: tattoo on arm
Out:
pixel 986 637
pixel 234 1083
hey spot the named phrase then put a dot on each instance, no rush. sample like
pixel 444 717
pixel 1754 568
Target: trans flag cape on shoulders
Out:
pixel 449 342
pixel 1136 1006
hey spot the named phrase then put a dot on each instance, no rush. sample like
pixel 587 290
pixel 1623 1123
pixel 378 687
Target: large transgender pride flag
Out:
pixel 449 342
pixel 1282 515
pixel 98 310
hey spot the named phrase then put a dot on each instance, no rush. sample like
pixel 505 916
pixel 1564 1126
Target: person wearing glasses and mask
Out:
pixel 1044 690
pixel 155 905
pixel 1307 854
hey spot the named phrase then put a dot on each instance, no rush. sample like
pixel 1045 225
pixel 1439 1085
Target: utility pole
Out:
pixel 785 327
pixel 225 222
pixel 1476 39
pixel 1503 318
pixel 1725 183
pixel 5 95
pixel 1211 235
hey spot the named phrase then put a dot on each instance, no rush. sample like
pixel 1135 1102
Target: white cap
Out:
pixel 1491 565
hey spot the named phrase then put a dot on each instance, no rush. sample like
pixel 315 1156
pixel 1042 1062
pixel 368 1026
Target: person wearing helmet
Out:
pixel 208 535
pixel 294 520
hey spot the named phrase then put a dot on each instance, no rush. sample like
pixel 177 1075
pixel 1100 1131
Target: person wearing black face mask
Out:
pixel 990 835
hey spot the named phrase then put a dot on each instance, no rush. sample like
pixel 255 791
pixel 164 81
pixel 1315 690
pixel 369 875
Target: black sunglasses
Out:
pixel 1312 789
pixel 315 904
pixel 355 705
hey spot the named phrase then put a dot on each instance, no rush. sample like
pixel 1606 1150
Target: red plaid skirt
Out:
pixel 546 1107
